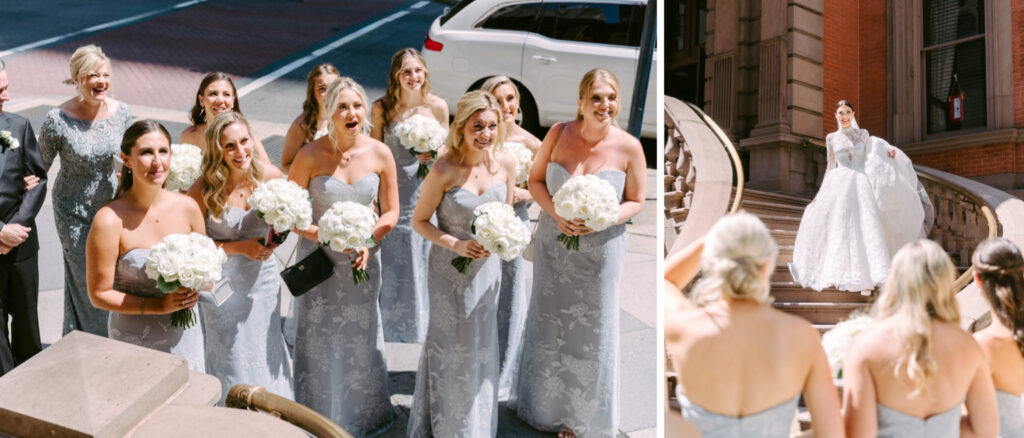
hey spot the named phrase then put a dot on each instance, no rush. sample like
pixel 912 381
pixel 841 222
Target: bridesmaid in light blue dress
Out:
pixel 999 274
pixel 568 380
pixel 939 369
pixel 514 298
pixel 244 341
pixel 85 132
pixel 403 292
pixel 457 379
pixel 121 235
pixel 340 368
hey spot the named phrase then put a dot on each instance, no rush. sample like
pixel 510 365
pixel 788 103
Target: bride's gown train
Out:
pixel 869 205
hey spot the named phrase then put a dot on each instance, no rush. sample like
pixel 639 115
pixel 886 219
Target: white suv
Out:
pixel 545 46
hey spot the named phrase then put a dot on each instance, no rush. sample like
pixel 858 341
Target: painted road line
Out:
pixel 420 4
pixel 291 66
pixel 121 22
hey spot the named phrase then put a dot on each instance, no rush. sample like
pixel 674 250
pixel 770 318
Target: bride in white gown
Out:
pixel 868 206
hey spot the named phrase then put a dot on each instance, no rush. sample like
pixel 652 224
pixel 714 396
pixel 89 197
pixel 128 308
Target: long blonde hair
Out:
pixel 733 263
pixel 588 82
pixel 331 103
pixel 216 172
pixel 469 104
pixel 394 91
pixel 919 287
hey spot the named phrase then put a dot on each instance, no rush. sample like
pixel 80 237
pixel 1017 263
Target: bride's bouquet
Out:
pixel 589 198
pixel 524 160
pixel 348 225
pixel 421 134
pixel 283 205
pixel 186 164
pixel 497 228
pixel 837 340
pixel 189 260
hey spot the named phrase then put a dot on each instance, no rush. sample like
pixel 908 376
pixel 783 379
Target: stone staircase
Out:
pixel 781 214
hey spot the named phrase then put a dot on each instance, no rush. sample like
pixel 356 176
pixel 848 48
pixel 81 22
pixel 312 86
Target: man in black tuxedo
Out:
pixel 19 245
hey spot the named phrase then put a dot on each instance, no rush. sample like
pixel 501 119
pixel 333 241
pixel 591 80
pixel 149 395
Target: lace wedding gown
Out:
pixel 869 205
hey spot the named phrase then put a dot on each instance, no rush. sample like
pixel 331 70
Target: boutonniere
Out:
pixel 7 141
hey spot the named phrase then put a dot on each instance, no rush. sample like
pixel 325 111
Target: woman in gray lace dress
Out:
pixel 85 131
pixel 340 367
pixel 244 342
pixel 456 382
pixel 403 291
pixel 915 370
pixel 124 230
pixel 568 378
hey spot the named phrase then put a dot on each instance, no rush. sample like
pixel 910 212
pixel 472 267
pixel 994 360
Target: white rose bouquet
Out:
pixel 837 340
pixel 284 205
pixel 186 165
pixel 524 160
pixel 497 228
pixel 348 225
pixel 7 141
pixel 421 134
pixel 184 260
pixel 589 198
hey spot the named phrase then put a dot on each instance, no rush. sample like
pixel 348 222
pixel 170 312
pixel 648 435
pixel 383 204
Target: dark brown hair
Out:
pixel 1000 267
pixel 131 136
pixel 311 109
pixel 843 103
pixel 197 114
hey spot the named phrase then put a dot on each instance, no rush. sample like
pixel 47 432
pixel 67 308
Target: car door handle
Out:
pixel 544 59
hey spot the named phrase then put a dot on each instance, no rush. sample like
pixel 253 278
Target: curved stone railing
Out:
pixel 256 398
pixel 694 141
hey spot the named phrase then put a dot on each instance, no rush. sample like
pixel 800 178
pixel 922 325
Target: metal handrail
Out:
pixel 256 398
pixel 733 155
pixel 986 211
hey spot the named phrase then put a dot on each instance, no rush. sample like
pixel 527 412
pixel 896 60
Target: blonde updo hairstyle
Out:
pixel 739 253
pixel 919 287
pixel 999 268
pixel 494 82
pixel 331 103
pixel 215 171
pixel 587 83
pixel 84 61
pixel 469 104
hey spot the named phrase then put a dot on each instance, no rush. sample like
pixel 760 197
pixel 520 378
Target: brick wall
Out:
pixel 841 59
pixel 972 161
pixel 1018 63
pixel 873 58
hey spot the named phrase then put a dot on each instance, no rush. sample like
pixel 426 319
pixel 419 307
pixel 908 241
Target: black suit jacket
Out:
pixel 16 205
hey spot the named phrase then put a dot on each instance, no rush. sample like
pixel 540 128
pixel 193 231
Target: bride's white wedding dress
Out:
pixel 868 206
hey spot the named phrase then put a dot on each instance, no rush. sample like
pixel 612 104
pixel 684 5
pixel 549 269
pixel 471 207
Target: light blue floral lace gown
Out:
pixel 456 382
pixel 86 181
pixel 1011 421
pixel 895 424
pixel 568 376
pixel 773 422
pixel 513 303
pixel 244 341
pixel 340 368
pixel 403 292
pixel 152 331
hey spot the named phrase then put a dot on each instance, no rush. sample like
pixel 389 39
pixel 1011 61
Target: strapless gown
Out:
pixel 773 422
pixel 1011 422
pixel 895 424
pixel 152 331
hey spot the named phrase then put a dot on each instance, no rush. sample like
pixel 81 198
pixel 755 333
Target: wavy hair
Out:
pixel 469 104
pixel 494 82
pixel 919 287
pixel 215 171
pixel 85 60
pixel 1000 270
pixel 394 91
pixel 131 136
pixel 589 78
pixel 737 250
pixel 331 102
pixel 198 114
pixel 310 107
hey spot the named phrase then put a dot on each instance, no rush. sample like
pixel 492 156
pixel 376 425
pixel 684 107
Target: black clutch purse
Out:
pixel 308 272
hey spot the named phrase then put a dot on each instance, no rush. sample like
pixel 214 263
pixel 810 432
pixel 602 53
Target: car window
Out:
pixel 603 23
pixel 450 12
pixel 514 17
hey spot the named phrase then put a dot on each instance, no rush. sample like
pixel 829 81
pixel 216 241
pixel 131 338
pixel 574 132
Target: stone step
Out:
pixel 760 208
pixel 784 237
pixel 776 222
pixel 785 254
pixel 775 198
pixel 789 291
pixel 819 312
